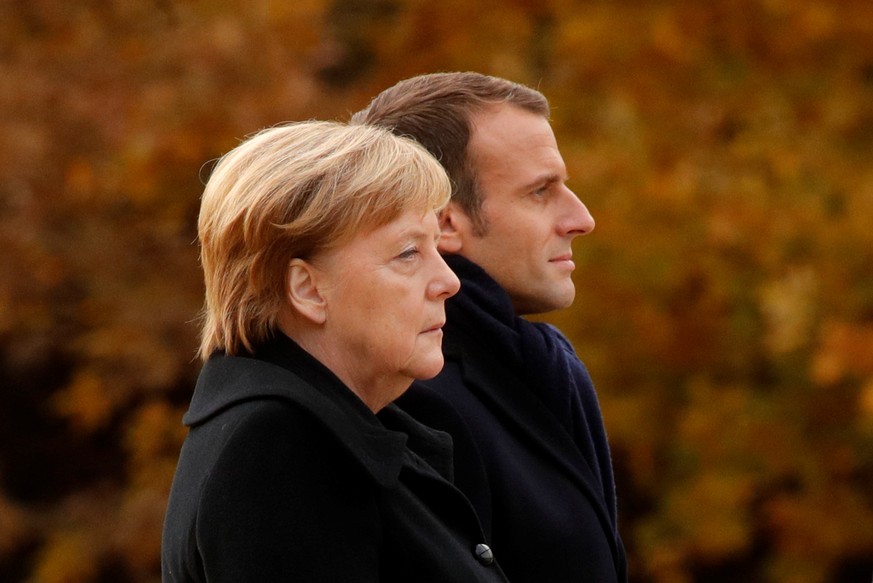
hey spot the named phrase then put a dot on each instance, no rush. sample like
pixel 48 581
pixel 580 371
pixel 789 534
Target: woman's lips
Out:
pixel 434 328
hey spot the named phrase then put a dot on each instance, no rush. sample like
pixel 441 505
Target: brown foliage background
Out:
pixel 725 303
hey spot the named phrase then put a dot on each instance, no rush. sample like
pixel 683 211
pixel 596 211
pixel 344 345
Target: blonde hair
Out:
pixel 289 192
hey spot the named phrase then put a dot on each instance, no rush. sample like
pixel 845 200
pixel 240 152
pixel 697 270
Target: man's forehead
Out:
pixel 507 125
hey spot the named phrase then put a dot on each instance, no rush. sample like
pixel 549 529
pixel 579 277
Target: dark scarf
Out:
pixel 545 358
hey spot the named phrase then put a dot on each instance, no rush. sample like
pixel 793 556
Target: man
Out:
pixel 530 448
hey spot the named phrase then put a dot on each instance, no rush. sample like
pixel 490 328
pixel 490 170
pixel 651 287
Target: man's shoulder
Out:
pixel 435 396
pixel 469 350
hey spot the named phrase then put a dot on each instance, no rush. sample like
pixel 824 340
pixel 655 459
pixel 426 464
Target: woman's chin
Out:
pixel 429 368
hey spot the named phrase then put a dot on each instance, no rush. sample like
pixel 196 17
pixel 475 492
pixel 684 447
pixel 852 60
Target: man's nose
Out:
pixel 575 219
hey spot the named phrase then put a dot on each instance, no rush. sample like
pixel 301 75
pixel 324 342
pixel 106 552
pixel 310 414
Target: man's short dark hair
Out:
pixel 436 111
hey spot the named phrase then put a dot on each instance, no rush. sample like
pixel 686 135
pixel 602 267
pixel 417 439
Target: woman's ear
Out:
pixel 452 223
pixel 301 289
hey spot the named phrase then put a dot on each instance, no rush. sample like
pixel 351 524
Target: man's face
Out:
pixel 530 215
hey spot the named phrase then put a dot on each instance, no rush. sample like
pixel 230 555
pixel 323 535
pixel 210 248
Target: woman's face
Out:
pixel 384 294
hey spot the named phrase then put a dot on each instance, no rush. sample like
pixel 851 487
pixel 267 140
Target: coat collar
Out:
pixel 226 381
pixel 500 386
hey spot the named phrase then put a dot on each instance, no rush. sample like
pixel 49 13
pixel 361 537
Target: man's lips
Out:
pixel 566 260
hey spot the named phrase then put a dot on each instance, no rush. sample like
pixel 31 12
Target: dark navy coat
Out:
pixel 519 467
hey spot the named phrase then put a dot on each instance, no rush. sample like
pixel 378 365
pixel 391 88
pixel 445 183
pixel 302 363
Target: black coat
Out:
pixel 287 476
pixel 520 468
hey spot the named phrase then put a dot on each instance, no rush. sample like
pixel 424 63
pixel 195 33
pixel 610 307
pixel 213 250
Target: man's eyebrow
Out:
pixel 544 179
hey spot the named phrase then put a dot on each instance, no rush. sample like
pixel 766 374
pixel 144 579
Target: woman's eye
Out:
pixel 409 253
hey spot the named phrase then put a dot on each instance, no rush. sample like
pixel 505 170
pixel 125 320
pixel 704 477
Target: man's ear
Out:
pixel 453 224
pixel 301 289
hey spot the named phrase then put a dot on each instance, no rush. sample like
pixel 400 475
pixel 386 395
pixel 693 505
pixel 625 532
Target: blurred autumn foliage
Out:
pixel 724 306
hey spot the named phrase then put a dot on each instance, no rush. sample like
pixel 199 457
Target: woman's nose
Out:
pixel 445 283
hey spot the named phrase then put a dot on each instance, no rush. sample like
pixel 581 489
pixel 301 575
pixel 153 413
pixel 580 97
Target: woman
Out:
pixel 324 300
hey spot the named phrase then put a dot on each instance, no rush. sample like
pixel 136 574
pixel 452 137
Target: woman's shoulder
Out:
pixel 283 481
pixel 226 381
pixel 253 400
pixel 273 427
